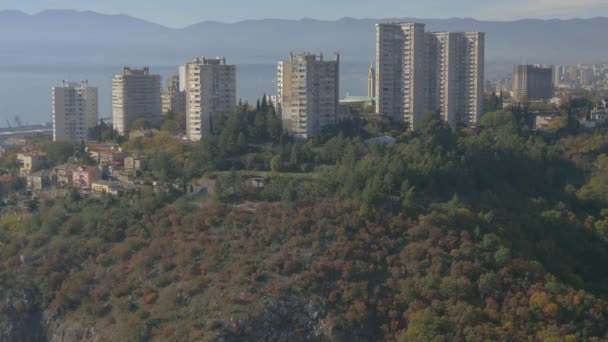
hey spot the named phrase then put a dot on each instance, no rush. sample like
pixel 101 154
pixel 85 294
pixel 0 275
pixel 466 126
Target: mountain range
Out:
pixel 66 38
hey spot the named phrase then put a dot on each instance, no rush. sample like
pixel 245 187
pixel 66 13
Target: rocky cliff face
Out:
pixel 274 319
pixel 20 316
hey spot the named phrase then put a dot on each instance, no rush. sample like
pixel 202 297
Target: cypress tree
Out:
pixel 264 106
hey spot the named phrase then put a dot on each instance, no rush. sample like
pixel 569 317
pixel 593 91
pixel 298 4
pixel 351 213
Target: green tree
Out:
pixel 276 163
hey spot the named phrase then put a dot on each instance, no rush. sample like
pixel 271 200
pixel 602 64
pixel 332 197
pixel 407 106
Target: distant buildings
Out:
pixel 532 82
pixel 172 98
pixel 135 95
pixel 586 76
pixel 308 93
pixel 210 92
pixel 75 110
pixel 420 72
pixel 354 106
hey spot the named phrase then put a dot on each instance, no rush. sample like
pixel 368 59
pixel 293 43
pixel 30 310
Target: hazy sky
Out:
pixel 179 13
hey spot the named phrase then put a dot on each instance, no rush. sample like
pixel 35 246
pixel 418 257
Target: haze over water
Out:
pixel 27 91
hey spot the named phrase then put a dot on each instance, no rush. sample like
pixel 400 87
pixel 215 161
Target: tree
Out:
pixel 58 152
pixel 276 163
pixel 140 124
pixel 491 103
pixel 498 119
pixel 264 106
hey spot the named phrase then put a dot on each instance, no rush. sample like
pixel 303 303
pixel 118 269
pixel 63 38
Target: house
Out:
pixel 64 174
pixel 599 115
pixel 30 162
pixel 40 180
pixel 106 187
pixel 134 163
pixel 107 154
pixel 83 177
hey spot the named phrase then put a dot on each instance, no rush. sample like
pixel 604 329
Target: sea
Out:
pixel 25 91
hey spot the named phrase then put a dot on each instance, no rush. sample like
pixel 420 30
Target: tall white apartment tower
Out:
pixel 400 72
pixel 308 93
pixel 75 110
pixel 135 95
pixel 210 93
pixel 418 72
pixel 474 73
pixel 456 76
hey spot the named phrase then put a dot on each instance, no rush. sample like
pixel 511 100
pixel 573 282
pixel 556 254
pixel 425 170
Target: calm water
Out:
pixel 27 91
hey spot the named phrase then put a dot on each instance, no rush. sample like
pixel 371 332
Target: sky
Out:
pixel 181 13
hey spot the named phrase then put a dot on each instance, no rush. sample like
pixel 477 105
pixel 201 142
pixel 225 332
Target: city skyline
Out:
pixel 191 11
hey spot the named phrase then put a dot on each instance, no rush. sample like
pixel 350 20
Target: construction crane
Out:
pixel 18 121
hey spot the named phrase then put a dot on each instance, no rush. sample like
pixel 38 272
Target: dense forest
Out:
pixel 493 234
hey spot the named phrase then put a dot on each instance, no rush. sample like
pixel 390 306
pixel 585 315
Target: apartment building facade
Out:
pixel 135 95
pixel 172 98
pixel 456 76
pixel 532 82
pixel 210 93
pixel 418 72
pixel 308 93
pixel 75 110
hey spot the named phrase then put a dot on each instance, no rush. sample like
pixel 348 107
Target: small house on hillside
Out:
pixel 84 176
pixel 39 180
pixel 107 187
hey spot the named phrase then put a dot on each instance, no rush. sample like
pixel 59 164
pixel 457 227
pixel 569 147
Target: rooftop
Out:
pixel 6 179
pixel 350 99
pixel 113 185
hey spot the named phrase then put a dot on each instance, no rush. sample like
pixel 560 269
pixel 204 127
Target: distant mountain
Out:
pixel 59 37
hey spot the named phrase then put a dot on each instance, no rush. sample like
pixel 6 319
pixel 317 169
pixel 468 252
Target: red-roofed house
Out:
pixel 107 154
pixel 5 184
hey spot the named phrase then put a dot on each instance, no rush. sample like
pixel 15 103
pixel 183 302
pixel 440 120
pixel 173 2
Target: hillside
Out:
pixel 498 234
pixel 63 38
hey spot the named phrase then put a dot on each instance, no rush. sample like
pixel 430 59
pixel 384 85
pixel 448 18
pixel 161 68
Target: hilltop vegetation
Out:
pixel 448 235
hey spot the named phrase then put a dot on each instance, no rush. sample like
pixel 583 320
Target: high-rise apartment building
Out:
pixel 308 94
pixel 210 93
pixel 135 95
pixel 439 72
pixel 400 72
pixel 172 98
pixel 532 82
pixel 558 74
pixel 75 110
pixel 587 76
pixel 455 65
pixel 182 78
